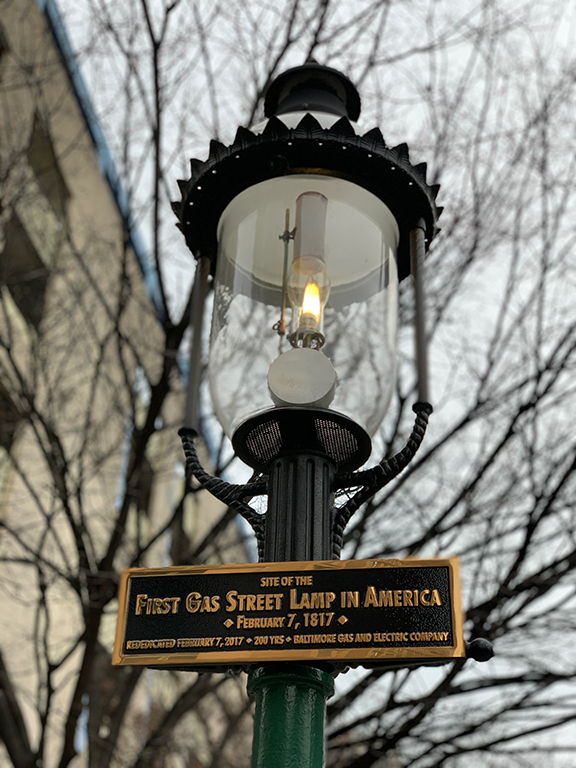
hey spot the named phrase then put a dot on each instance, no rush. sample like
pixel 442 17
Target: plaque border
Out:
pixel 234 658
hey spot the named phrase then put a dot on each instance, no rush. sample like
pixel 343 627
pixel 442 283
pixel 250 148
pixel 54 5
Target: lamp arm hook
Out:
pixel 372 480
pixel 229 494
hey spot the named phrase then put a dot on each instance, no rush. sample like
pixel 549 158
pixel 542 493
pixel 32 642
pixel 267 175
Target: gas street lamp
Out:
pixel 307 229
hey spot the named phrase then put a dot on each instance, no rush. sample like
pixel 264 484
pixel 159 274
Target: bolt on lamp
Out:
pixel 307 229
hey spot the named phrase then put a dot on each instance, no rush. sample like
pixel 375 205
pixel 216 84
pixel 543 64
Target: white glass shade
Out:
pixel 255 261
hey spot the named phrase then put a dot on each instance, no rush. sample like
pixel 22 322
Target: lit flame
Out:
pixel 311 304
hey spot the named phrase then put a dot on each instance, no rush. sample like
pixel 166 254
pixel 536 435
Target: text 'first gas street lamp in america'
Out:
pixel 307 229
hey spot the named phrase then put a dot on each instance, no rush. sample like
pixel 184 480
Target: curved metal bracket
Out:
pixel 372 480
pixel 227 493
pixel 368 482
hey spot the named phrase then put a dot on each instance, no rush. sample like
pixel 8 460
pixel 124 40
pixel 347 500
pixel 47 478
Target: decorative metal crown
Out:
pixel 278 151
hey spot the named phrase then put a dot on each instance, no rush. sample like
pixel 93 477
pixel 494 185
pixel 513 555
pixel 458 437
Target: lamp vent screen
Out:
pixel 265 436
pixel 264 441
pixel 338 442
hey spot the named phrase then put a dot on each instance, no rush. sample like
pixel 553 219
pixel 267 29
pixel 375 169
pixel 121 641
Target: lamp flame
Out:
pixel 311 304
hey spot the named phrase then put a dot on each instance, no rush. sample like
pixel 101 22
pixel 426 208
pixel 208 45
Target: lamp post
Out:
pixel 307 228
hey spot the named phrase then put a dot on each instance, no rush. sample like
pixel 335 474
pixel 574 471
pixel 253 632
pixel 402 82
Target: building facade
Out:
pixel 87 484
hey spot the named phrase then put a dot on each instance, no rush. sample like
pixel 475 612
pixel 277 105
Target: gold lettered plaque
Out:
pixel 354 611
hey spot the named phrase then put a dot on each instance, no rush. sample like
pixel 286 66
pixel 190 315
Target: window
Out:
pixel 9 420
pixel 43 162
pixel 23 272
pixel 4 49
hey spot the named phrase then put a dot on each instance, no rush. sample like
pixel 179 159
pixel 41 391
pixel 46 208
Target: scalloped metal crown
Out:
pixel 308 148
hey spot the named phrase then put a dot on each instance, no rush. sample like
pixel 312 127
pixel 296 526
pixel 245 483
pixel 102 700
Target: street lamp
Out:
pixel 307 228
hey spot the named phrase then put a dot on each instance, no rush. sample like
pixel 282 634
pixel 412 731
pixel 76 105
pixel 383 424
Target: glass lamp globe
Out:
pixel 305 303
pixel 307 226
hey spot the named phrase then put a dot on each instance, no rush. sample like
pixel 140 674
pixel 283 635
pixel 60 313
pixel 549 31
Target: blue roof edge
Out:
pixel 108 170
pixel 103 155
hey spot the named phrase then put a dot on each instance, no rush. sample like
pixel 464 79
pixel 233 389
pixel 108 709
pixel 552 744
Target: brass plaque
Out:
pixel 353 611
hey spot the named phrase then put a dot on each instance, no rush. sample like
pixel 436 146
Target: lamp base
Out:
pixel 277 431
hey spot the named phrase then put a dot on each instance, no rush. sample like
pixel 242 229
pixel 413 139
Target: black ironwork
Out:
pixel 372 480
pixel 279 151
pixel 227 493
pixel 301 521
pixel 271 433
pixel 479 649
pixel 300 507
pixel 312 87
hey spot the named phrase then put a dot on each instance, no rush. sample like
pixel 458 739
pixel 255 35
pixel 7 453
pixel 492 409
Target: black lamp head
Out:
pixel 299 139
pixel 278 150
pixel 312 88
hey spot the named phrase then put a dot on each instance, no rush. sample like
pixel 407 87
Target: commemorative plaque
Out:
pixel 355 611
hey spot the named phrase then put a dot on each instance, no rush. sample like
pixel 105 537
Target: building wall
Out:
pixel 80 339
pixel 76 322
